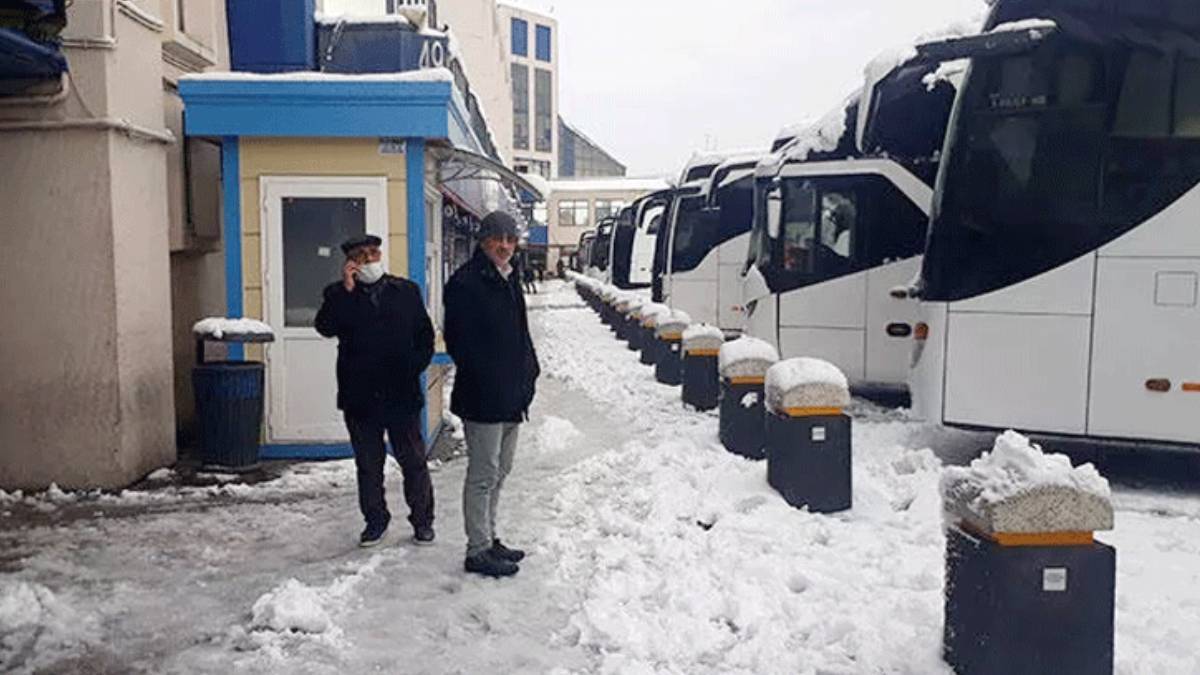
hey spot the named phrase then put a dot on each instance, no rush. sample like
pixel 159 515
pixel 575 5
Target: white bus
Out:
pixel 841 215
pixel 1061 281
pixel 634 240
pixel 692 180
pixel 709 232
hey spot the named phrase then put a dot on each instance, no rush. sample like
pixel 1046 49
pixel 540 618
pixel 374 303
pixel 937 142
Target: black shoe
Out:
pixel 372 536
pixel 489 565
pixel 503 552
pixel 423 535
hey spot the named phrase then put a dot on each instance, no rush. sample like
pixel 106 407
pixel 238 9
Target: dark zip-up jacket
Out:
pixel 385 342
pixel 487 335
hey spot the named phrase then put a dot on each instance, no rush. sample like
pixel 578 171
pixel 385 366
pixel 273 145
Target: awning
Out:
pixel 539 235
pixel 474 166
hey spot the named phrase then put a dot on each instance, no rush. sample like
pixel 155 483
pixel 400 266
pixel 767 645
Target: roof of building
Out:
pixel 615 184
pixel 587 139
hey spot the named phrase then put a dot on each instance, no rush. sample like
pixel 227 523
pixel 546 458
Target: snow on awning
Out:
pixel 475 166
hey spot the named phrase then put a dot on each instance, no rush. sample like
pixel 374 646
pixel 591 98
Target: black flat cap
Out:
pixel 497 224
pixel 361 240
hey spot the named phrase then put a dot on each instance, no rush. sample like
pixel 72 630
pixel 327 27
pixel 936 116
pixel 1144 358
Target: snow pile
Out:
pixel 702 337
pixel 689 563
pixel 746 357
pixel 822 137
pixel 1018 488
pixel 423 75
pixel 291 607
pixel 948 71
pixel 37 628
pixel 652 313
pixel 218 327
pixel 556 434
pixel 1037 28
pixel 672 323
pixel 806 383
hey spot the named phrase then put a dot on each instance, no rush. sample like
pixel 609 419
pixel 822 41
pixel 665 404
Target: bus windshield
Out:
pixel 1060 150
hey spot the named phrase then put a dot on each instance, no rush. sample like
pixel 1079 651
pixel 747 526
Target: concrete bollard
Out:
pixel 621 314
pixel 808 436
pixel 743 365
pixel 1028 588
pixel 668 364
pixel 606 297
pixel 701 382
pixel 633 324
pixel 650 315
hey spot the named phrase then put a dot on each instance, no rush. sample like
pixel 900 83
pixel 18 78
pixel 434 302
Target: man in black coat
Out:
pixel 487 335
pixel 385 342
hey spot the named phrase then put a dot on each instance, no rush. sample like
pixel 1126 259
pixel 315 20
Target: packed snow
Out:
pixel 652 550
pixel 1036 27
pixel 1016 465
pixel 218 327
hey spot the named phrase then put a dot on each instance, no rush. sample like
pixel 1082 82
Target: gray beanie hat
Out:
pixel 498 224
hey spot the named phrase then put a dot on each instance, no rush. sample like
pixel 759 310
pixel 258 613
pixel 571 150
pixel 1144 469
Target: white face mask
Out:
pixel 371 272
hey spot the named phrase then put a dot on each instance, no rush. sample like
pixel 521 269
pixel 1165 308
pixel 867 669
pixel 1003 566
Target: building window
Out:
pixel 541 168
pixel 520 80
pixel 543 94
pixel 520 37
pixel 607 207
pixel 573 213
pixel 543 43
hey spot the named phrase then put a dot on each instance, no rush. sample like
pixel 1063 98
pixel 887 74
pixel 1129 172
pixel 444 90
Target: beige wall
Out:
pixel 87 397
pixel 477 29
pixel 563 239
pixel 507 12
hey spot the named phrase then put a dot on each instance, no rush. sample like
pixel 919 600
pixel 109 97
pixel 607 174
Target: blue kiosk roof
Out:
pixel 420 104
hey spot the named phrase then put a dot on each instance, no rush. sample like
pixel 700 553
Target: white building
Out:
pixel 531 41
pixel 576 206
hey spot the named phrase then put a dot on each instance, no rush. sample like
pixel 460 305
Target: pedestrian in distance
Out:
pixel 528 274
pixel 496 369
pixel 561 269
pixel 385 342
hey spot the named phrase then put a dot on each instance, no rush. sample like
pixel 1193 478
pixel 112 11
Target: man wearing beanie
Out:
pixel 487 335
pixel 385 342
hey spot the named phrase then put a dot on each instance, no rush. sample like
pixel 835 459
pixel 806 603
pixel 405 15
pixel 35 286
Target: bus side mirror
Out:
pixel 774 212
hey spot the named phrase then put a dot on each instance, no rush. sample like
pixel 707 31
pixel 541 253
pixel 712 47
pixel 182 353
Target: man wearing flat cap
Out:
pixel 385 342
pixel 487 335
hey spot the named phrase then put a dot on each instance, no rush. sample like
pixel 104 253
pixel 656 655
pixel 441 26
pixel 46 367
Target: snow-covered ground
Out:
pixel 652 551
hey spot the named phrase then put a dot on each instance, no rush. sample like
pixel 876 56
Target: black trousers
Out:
pixel 370 453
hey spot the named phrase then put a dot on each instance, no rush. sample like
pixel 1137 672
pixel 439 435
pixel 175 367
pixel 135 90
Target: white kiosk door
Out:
pixel 306 219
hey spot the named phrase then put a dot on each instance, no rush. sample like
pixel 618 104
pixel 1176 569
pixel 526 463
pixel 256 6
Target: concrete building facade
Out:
pixel 531 46
pixel 574 207
pixel 110 233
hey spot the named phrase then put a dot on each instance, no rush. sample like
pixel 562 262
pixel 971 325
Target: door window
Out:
pixel 314 228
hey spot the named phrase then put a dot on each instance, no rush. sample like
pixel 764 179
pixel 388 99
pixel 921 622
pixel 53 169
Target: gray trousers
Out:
pixel 490 449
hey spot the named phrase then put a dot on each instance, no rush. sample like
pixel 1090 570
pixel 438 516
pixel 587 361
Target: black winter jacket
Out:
pixel 487 335
pixel 385 342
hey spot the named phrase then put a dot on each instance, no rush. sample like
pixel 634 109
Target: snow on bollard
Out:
pixel 701 382
pixel 633 324
pixel 668 362
pixel 607 295
pixel 743 365
pixel 650 315
pixel 808 435
pixel 621 308
pixel 1028 588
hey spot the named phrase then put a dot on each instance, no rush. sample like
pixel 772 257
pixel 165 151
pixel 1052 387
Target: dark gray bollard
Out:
pixel 633 328
pixel 701 381
pixel 1028 588
pixel 743 365
pixel 808 436
pixel 668 363
pixel 650 315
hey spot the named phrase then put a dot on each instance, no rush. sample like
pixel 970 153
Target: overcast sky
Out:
pixel 653 80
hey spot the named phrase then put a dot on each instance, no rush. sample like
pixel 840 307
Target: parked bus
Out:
pixel 601 249
pixel 698 169
pixel 583 255
pixel 1061 280
pixel 709 233
pixel 841 215
pixel 633 241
